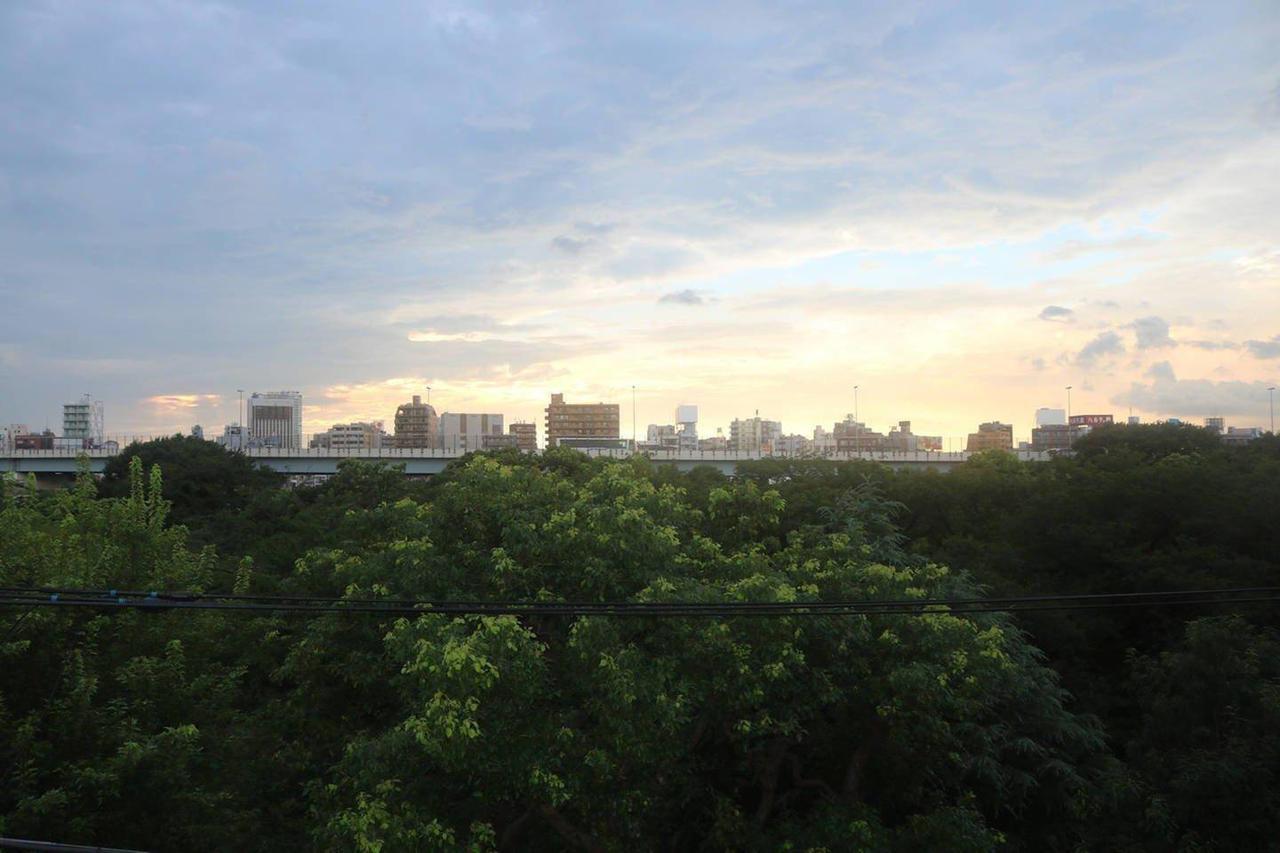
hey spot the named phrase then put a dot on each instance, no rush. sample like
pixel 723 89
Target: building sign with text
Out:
pixel 1091 420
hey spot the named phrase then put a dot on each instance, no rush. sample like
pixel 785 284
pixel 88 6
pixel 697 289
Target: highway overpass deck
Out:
pixel 324 461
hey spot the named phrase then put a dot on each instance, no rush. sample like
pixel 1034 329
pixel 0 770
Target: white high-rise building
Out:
pixel 10 433
pixel 83 421
pixel 687 426
pixel 464 432
pixel 275 419
pixel 1051 417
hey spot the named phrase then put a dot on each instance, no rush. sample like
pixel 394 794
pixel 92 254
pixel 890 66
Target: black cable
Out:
pixel 480 604
pixel 715 609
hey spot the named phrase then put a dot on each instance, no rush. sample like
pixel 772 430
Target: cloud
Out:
pixel 1211 346
pixel 570 245
pixel 1153 333
pixel 1104 345
pixel 682 297
pixel 1165 394
pixel 1057 314
pixel 1078 248
pixel 173 403
pixel 1264 349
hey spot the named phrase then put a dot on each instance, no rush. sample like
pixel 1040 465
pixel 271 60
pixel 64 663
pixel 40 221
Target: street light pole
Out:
pixel 857 431
pixel 1070 432
pixel 633 419
pixel 1271 392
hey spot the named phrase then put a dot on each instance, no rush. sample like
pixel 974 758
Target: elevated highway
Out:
pixel 321 461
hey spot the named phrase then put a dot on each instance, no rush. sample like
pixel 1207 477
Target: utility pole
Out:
pixel 633 419
pixel 1271 392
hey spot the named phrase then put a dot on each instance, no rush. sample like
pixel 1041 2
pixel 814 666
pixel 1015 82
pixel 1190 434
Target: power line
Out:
pixel 114 600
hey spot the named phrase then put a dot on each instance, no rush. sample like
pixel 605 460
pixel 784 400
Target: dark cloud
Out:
pixel 1166 394
pixel 1057 314
pixel 1212 345
pixel 1264 349
pixel 570 245
pixel 682 297
pixel 1105 344
pixel 1153 333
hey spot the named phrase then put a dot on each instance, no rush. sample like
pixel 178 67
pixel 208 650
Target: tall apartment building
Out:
pixel 526 435
pixel 580 420
pixel 991 436
pixel 83 421
pixel 416 424
pixel 464 432
pixel 753 434
pixel 275 419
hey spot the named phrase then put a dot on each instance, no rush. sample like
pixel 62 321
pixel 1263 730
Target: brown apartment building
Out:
pixel 991 436
pixel 526 435
pixel 580 420
pixel 416 424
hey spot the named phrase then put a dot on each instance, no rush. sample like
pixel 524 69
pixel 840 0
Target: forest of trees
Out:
pixel 1129 729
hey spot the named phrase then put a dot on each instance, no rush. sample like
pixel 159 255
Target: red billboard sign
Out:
pixel 1091 420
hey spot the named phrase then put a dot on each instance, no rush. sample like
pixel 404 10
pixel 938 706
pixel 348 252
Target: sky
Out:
pixel 960 208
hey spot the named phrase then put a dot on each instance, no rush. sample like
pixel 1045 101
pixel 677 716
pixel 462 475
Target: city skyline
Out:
pixel 960 211
pixel 1020 431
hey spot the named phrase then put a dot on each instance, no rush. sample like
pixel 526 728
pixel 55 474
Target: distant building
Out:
pixel 1241 435
pixel 526 435
pixel 1051 417
pixel 687 426
pixel 275 419
pixel 852 436
pixel 34 441
pixel 83 421
pixel 499 441
pixel 902 440
pixel 10 434
pixel 360 435
pixel 754 434
pixel 792 445
pixel 715 443
pixel 463 432
pixel 1052 437
pixel 197 431
pixel 417 425
pixel 1134 420
pixel 1218 425
pixel 991 436
pixel 580 421
pixel 234 437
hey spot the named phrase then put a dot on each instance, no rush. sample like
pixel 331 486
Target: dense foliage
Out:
pixel 206 730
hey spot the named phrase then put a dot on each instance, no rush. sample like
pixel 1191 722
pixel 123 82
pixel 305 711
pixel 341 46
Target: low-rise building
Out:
pixel 991 436
pixel 359 435
pixel 1241 435
pixel 526 435
pixel 853 436
pixel 34 441
pixel 1053 437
